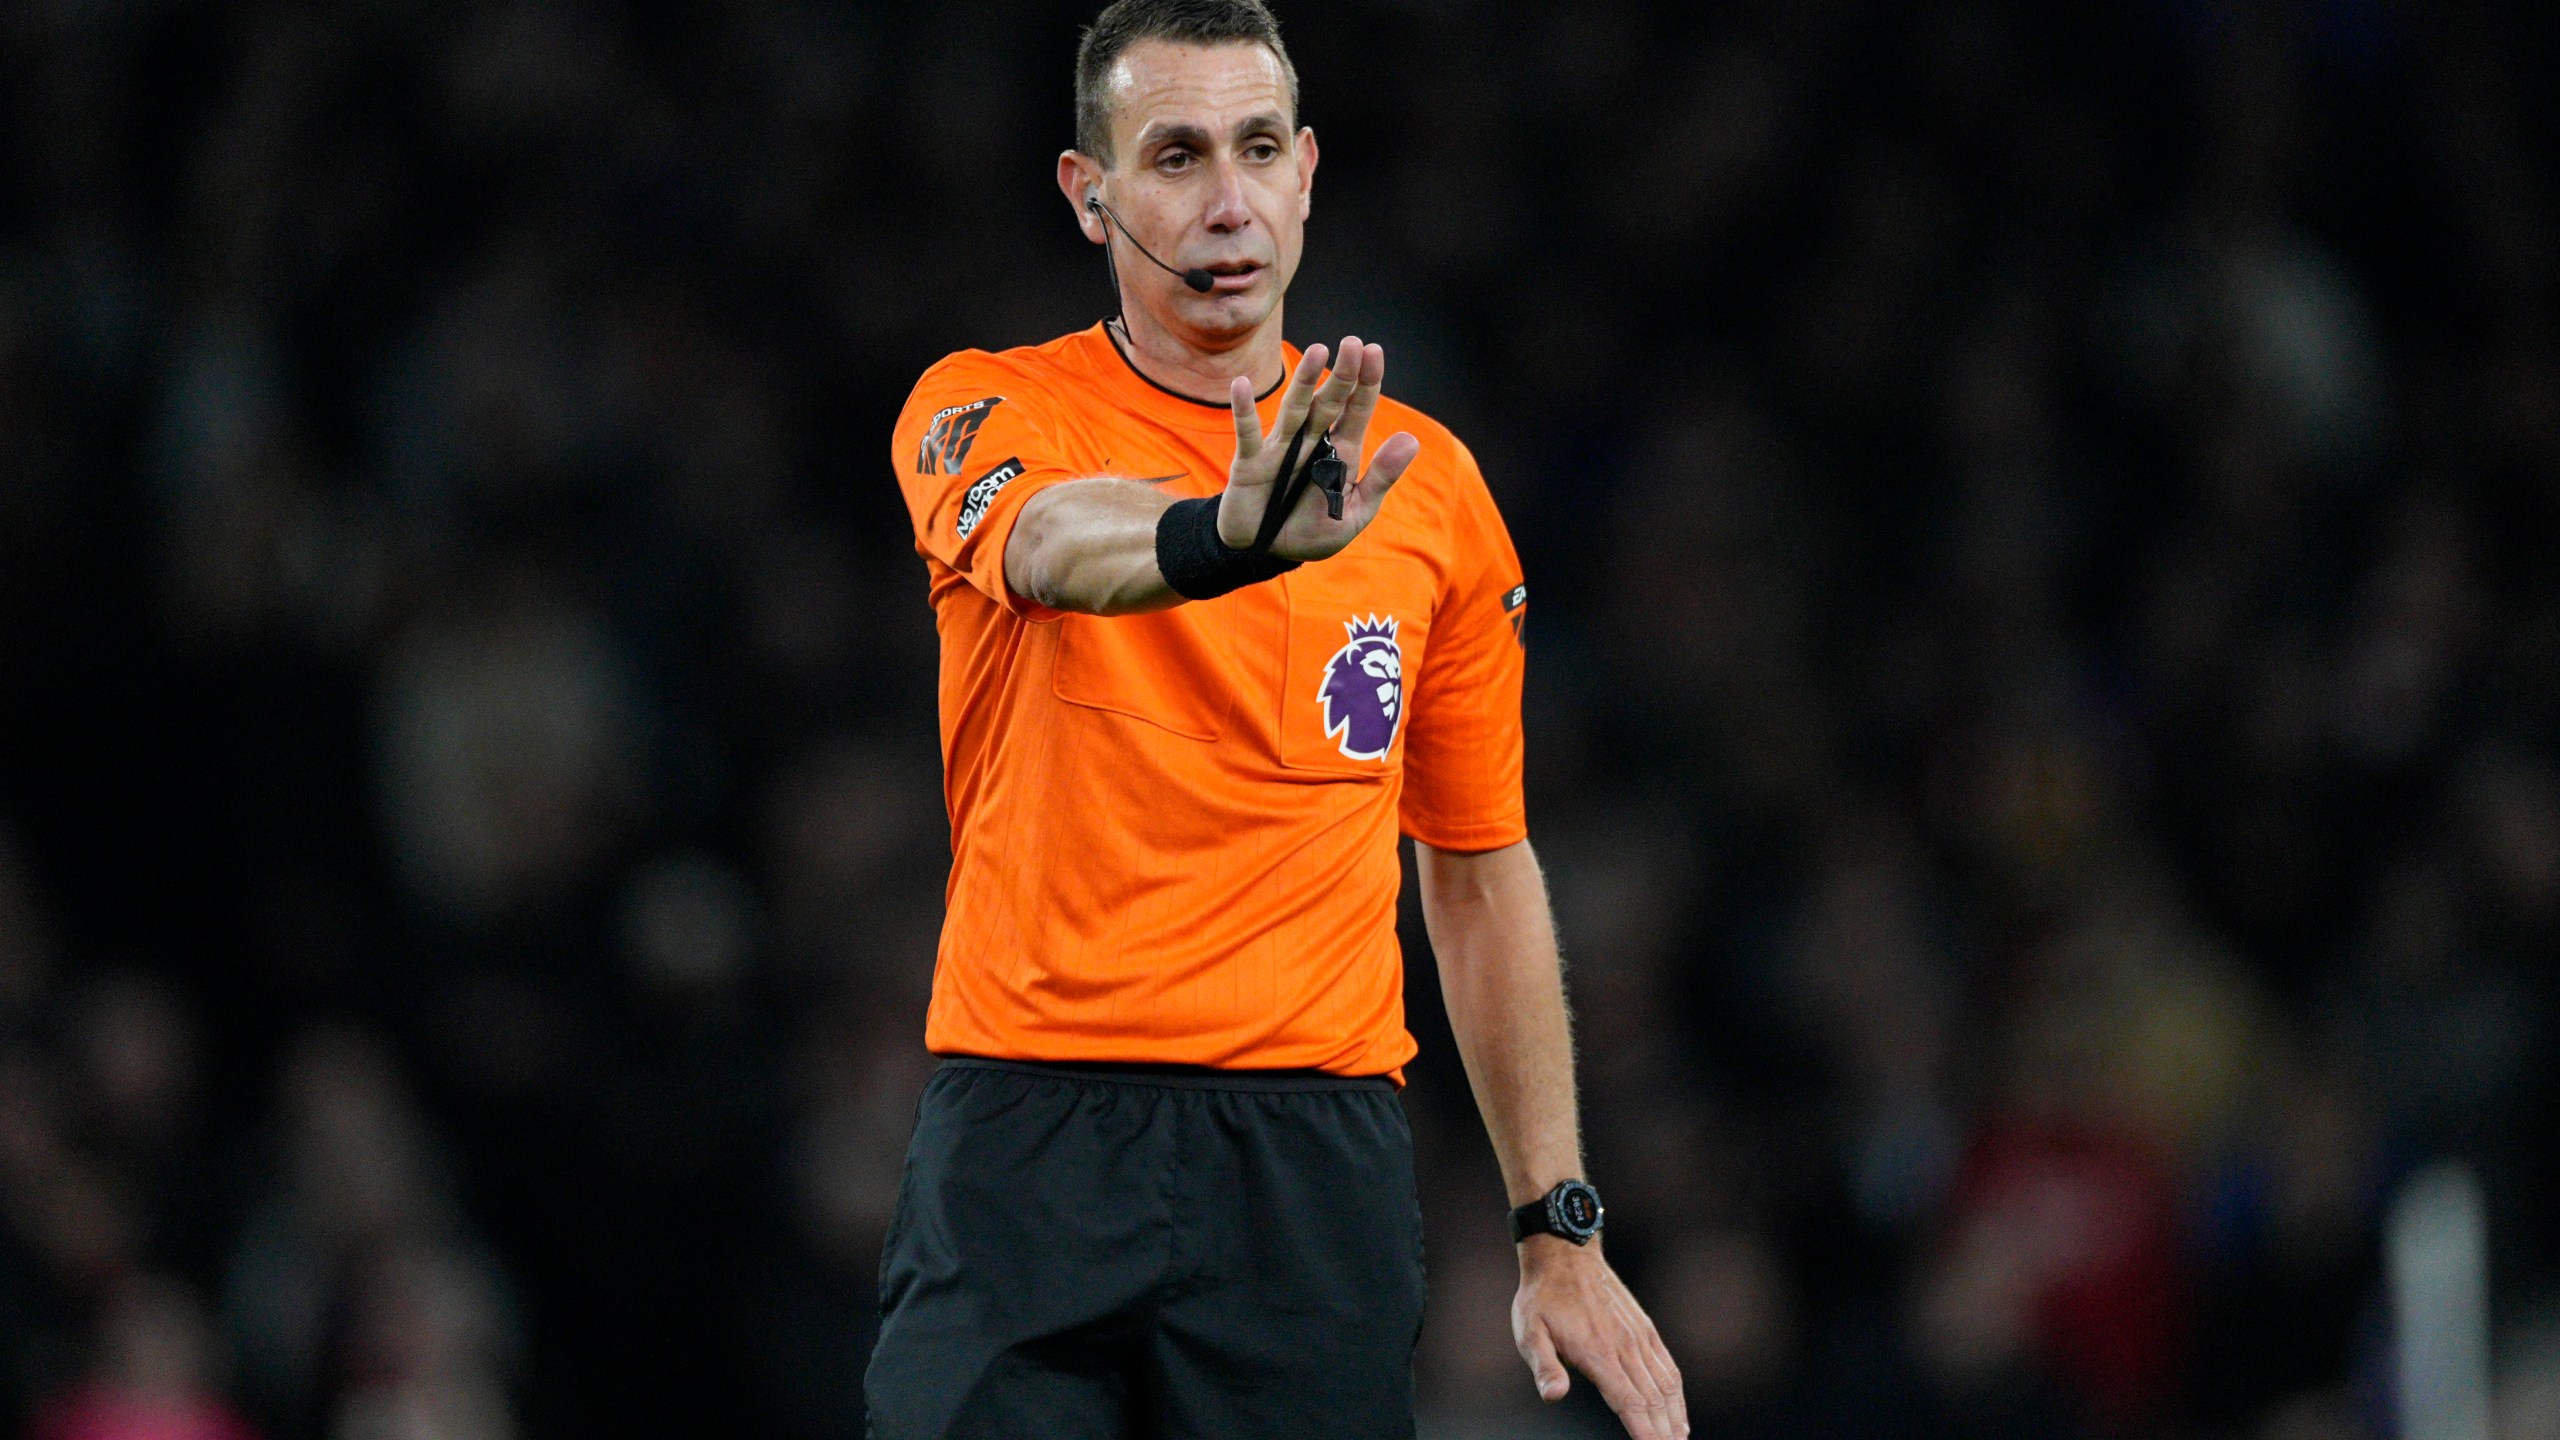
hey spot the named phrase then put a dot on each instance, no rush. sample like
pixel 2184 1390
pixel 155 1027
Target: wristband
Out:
pixel 1197 565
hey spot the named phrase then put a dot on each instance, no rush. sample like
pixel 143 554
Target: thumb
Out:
pixel 1544 1367
pixel 1388 466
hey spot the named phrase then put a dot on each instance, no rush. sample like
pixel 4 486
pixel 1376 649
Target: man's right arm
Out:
pixel 1090 546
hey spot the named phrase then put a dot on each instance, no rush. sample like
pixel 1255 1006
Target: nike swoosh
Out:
pixel 1160 479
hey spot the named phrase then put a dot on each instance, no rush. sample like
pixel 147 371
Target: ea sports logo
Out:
pixel 1363 694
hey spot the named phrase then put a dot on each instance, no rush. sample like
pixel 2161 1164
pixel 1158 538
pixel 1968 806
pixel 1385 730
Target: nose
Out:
pixel 1227 211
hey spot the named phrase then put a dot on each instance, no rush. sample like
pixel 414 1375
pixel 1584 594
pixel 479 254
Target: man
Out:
pixel 1162 1183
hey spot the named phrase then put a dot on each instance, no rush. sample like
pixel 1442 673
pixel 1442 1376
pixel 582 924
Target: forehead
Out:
pixel 1158 84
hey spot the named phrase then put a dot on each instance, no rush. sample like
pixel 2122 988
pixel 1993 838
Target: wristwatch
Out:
pixel 1571 1211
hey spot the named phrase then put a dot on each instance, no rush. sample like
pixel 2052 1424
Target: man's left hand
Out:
pixel 1573 1309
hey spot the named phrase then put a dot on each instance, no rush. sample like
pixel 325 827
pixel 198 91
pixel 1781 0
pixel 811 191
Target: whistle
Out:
pixel 1330 473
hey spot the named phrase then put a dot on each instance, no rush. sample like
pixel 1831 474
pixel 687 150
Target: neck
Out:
pixel 1189 365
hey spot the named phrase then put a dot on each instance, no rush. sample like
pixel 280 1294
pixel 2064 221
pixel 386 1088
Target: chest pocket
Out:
pixel 1357 627
pixel 1173 668
pixel 1160 668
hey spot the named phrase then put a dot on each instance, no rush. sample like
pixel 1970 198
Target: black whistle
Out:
pixel 1330 474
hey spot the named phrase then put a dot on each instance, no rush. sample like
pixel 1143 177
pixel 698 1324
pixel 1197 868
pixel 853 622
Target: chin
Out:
pixel 1229 315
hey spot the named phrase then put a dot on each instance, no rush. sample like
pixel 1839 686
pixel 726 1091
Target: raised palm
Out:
pixel 1339 403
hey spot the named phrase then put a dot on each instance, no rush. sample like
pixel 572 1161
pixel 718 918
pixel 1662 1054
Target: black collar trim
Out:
pixel 1219 405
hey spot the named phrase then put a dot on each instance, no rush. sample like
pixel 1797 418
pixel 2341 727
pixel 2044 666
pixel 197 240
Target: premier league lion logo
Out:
pixel 1363 694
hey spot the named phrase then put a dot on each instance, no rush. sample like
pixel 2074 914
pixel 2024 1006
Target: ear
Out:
pixel 1080 178
pixel 1306 170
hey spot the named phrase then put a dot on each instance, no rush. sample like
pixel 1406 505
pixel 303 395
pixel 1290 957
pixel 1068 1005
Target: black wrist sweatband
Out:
pixel 1196 563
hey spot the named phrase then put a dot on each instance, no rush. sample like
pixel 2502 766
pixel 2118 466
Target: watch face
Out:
pixel 1576 1209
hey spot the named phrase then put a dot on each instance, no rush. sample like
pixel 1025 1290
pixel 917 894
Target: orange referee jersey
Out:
pixel 1174 835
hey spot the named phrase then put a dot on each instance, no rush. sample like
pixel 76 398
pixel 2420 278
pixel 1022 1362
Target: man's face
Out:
pixel 1207 172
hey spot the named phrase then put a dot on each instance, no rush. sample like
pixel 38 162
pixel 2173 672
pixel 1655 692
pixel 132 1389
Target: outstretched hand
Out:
pixel 1573 1309
pixel 1342 403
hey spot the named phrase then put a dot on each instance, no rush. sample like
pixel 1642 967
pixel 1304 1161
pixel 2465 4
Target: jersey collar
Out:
pixel 1135 392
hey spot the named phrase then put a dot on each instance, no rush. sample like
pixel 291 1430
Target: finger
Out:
pixel 1666 1375
pixel 1657 1383
pixel 1248 424
pixel 1627 1377
pixel 1544 1368
pixel 1301 394
pixel 1353 427
pixel 1336 390
pixel 1643 1415
pixel 1645 1389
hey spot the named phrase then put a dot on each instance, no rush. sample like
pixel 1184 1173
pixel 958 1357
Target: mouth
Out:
pixel 1228 277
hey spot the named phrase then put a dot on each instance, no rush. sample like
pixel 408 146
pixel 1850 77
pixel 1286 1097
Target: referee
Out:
pixel 1198 675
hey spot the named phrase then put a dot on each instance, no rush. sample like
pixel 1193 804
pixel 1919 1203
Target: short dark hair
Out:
pixel 1183 22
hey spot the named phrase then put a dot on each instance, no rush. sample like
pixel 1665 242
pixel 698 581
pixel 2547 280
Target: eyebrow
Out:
pixel 1185 133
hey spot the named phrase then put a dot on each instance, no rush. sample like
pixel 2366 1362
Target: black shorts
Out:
pixel 1089 1253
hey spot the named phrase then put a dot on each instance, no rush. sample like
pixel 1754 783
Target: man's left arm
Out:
pixel 1504 982
pixel 1486 905
pixel 1494 938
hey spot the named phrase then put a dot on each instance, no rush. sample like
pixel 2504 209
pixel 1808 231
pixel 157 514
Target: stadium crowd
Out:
pixel 2045 675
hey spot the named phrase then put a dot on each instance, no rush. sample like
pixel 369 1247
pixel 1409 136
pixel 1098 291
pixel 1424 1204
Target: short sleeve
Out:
pixel 974 443
pixel 1463 750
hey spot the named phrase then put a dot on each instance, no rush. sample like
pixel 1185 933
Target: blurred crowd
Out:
pixel 2045 678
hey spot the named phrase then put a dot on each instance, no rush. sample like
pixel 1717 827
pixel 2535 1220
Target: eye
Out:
pixel 1262 150
pixel 1174 161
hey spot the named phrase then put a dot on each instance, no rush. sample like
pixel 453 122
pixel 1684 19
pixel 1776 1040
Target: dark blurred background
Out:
pixel 2044 685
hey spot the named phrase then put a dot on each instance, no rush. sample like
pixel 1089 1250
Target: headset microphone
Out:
pixel 1196 278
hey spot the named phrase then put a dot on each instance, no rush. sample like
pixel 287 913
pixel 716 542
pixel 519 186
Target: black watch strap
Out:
pixel 1571 1211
